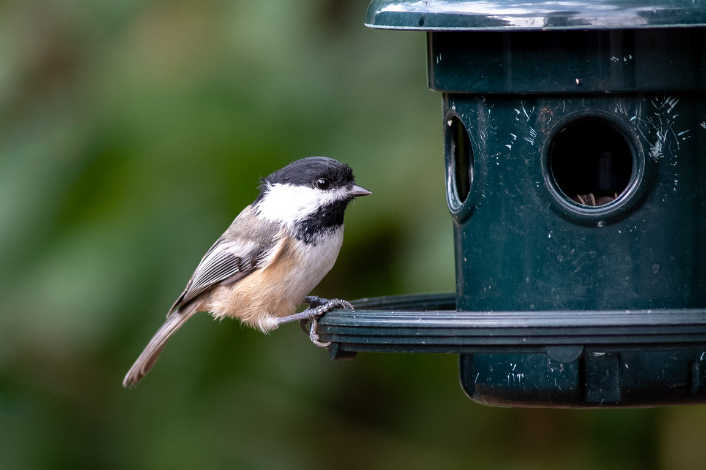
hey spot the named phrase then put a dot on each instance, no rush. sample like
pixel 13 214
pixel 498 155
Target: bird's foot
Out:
pixel 317 308
pixel 319 304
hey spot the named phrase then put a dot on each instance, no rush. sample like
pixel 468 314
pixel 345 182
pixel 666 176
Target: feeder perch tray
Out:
pixel 553 358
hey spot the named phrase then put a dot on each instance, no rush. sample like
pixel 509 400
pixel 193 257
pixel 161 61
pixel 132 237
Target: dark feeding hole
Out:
pixel 591 162
pixel 462 156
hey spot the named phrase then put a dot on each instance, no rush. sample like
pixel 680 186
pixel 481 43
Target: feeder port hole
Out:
pixel 461 160
pixel 590 162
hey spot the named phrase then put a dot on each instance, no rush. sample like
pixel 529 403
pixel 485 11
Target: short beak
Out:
pixel 357 191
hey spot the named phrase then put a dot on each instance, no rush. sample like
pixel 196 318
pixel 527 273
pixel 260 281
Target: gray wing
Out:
pixel 225 263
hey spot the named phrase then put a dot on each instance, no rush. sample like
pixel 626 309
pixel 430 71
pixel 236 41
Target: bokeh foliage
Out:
pixel 132 132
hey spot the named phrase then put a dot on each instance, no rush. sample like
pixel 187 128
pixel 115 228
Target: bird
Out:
pixel 270 257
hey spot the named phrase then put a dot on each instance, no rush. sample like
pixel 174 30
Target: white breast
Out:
pixel 314 261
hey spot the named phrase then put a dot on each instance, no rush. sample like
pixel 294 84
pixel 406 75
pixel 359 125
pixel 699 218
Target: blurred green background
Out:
pixel 132 133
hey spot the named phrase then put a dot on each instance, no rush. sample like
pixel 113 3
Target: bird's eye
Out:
pixel 323 183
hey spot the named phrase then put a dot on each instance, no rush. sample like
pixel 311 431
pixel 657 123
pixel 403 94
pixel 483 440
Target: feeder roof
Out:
pixel 503 15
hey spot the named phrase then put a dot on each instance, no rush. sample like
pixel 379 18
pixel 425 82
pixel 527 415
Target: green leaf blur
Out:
pixel 132 133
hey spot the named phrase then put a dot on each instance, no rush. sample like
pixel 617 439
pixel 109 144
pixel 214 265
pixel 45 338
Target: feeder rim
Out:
pixel 428 323
pixel 510 15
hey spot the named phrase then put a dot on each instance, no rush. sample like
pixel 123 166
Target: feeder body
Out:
pixel 554 118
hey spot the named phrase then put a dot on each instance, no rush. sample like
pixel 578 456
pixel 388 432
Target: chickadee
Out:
pixel 271 256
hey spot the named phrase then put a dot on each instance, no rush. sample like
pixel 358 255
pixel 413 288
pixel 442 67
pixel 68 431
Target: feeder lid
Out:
pixel 503 15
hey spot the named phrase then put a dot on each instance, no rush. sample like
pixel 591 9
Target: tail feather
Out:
pixel 149 356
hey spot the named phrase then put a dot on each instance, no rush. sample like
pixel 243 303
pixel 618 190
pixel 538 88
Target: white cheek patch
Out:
pixel 289 204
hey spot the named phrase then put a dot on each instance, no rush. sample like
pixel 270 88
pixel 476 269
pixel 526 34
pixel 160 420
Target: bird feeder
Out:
pixel 575 153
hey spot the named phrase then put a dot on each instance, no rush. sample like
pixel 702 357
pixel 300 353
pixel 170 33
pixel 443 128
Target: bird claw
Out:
pixel 322 306
pixel 302 325
pixel 314 336
pixel 317 308
pixel 326 305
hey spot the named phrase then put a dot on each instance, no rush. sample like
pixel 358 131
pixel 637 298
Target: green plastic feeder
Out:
pixel 575 144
